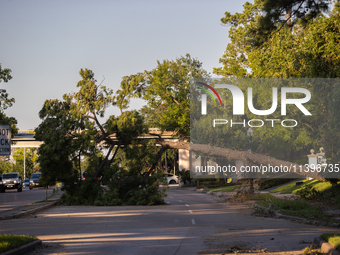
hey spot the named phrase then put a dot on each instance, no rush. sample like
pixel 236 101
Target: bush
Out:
pixel 83 193
pixel 124 183
pixel 184 175
pixel 269 183
pixel 333 239
pixel 309 192
pixel 128 190
pixel 333 181
pixel 204 179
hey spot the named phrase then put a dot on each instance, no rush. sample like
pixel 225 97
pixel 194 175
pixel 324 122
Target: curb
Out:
pixel 305 221
pixel 277 214
pixel 325 246
pixel 308 222
pixel 301 220
pixel 201 191
pixel 219 194
pixel 15 216
pixel 288 217
pixel 23 249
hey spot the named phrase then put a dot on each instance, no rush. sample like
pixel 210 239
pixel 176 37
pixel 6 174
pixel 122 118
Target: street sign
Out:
pixel 5 140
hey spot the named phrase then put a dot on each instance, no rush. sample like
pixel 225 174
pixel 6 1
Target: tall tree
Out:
pixel 59 151
pixel 76 128
pixel 306 52
pixel 6 101
pixel 279 14
pixel 71 129
pixel 235 58
pixel 309 50
pixel 166 89
pixel 30 160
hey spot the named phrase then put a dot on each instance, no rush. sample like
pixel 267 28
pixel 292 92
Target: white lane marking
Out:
pixel 193 222
pixel 180 201
pixel 171 197
pixel 190 211
pixel 186 205
pixel 167 202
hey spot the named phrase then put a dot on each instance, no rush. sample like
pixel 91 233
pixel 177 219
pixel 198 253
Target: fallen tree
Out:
pixel 245 156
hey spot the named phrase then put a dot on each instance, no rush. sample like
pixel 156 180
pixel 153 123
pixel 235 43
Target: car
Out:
pixel 171 178
pixel 84 175
pixel 26 182
pixel 34 180
pixel 11 181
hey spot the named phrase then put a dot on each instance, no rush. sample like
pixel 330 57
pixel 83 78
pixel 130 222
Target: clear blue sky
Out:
pixel 46 43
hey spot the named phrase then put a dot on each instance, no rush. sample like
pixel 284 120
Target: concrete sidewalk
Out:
pixel 30 208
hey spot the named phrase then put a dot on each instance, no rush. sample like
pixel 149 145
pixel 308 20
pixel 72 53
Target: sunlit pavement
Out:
pixel 192 223
pixel 12 199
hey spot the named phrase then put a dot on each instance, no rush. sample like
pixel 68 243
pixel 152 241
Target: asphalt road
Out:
pixel 12 199
pixel 192 223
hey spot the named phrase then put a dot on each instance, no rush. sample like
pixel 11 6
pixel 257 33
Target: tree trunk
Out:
pixel 245 156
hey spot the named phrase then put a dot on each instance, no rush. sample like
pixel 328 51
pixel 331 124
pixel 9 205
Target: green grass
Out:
pixel 298 207
pixel 228 188
pixel 263 197
pixel 333 239
pixel 283 188
pixel 8 242
pixel 293 189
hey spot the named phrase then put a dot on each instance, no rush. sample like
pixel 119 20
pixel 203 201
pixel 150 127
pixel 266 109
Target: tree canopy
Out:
pixel 235 58
pixel 296 50
pixel 72 130
pixel 166 89
pixel 287 13
pixel 6 101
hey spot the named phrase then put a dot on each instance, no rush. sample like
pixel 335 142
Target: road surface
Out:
pixel 192 223
pixel 12 199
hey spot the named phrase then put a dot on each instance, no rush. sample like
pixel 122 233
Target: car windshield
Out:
pixel 9 176
pixel 35 176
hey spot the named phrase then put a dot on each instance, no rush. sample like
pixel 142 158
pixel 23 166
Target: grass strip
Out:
pixel 300 208
pixel 293 189
pixel 283 188
pixel 333 239
pixel 297 207
pixel 263 197
pixel 228 188
pixel 8 242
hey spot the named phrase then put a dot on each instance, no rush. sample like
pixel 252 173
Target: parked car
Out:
pixel 26 182
pixel 11 181
pixel 84 175
pixel 171 178
pixel 34 180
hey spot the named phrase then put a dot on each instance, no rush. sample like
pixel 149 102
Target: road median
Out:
pixel 25 210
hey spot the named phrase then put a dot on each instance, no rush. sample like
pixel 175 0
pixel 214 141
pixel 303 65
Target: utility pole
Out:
pixel 24 163
pixel 166 165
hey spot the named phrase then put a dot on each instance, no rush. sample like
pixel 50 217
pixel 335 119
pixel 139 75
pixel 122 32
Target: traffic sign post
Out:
pixel 5 140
